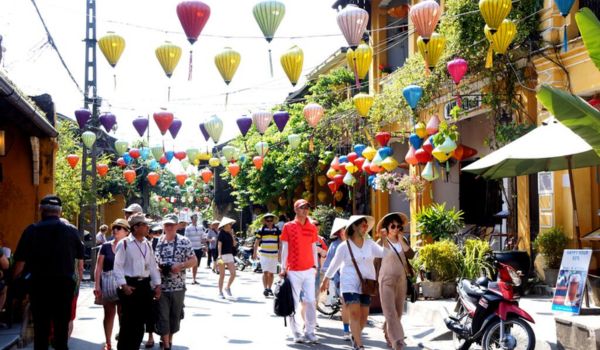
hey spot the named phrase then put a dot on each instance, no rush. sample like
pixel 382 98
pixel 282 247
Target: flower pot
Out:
pixel 449 289
pixel 431 290
pixel 550 276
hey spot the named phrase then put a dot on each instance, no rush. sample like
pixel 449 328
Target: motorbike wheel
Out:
pixel 461 313
pixel 326 305
pixel 239 264
pixel 517 328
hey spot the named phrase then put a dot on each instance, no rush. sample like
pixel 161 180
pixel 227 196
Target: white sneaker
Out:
pixel 311 339
pixel 221 295
pixel 299 339
pixel 228 292
pixel 346 336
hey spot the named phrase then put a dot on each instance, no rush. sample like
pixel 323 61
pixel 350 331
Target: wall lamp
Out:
pixel 2 143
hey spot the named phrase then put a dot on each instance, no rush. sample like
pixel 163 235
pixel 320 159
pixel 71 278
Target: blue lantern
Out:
pixel 169 155
pixel 359 149
pixel 385 152
pixel 371 180
pixel 564 6
pixel 343 159
pixel 415 141
pixel 145 153
pixel 153 164
pixel 127 158
pixel 413 94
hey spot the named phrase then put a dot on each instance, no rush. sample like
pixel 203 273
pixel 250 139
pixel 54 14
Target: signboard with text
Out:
pixel 571 280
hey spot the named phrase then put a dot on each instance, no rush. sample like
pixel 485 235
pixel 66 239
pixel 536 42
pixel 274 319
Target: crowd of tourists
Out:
pixel 140 273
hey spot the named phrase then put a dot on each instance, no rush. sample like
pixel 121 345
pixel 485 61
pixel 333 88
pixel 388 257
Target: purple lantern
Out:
pixel 140 124
pixel 108 120
pixel 244 124
pixel 204 132
pixel 281 118
pixel 83 116
pixel 174 128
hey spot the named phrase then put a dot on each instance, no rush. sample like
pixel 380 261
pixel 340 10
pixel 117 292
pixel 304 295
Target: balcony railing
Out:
pixel 593 5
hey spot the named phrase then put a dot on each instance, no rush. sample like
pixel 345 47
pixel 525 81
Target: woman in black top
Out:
pixel 225 244
pixel 104 267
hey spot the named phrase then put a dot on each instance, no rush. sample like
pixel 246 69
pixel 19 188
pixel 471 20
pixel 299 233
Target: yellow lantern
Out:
pixel 440 155
pixel 363 103
pixel 227 62
pixel 351 168
pixel 421 130
pixel 282 201
pixel 389 163
pixel 500 40
pixel 322 179
pixel 322 196
pixel 432 50
pixel 360 60
pixel 112 46
pixel 494 12
pixel 204 156
pixel 292 61
pixel 331 173
pixel 214 162
pixel 369 153
pixel 339 195
pixel 168 56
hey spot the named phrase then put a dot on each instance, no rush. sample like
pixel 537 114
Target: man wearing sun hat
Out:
pixel 267 238
pixel 299 262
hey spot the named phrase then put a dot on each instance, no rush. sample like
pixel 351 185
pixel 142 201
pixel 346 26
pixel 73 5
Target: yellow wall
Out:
pixel 113 210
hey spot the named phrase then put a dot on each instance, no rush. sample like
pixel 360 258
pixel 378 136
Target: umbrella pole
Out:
pixel 575 216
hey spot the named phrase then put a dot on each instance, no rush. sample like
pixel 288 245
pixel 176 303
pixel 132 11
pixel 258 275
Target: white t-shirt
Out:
pixel 364 256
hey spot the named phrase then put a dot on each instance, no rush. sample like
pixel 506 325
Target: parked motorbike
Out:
pixel 488 313
pixel 243 258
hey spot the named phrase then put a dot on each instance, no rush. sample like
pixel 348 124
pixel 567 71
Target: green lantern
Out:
pixel 261 148
pixel 157 152
pixel 268 15
pixel 88 138
pixel 294 140
pixel 121 146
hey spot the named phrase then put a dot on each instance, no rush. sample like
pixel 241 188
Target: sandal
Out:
pixel 107 347
pixel 149 344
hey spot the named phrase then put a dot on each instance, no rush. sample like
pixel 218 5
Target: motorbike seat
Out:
pixel 471 289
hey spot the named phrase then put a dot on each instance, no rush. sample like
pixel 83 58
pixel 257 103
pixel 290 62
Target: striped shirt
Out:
pixel 269 241
pixel 195 234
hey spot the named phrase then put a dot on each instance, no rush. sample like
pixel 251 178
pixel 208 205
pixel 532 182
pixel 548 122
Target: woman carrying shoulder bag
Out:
pixel 393 275
pixel 354 258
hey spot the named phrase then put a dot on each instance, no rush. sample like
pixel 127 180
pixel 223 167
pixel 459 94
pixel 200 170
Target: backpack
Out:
pixel 283 304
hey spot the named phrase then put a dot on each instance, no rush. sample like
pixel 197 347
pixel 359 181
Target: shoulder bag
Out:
pixel 411 291
pixel 367 286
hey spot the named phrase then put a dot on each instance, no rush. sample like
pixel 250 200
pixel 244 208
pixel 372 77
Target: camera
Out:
pixel 165 268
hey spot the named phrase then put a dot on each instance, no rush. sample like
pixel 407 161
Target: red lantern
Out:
pixel 163 160
pixel 73 159
pixel 422 156
pixel 206 175
pixel 153 178
pixel 121 162
pixel 335 163
pixel 427 145
pixel 234 169
pixel 410 156
pixel 165 210
pixel 134 153
pixel 338 179
pixel 595 102
pixel 333 186
pixel 383 137
pixel 359 162
pixel 181 178
pixel 399 12
pixel 352 156
pixel 163 120
pixel 258 162
pixel 180 155
pixel 463 152
pixel 193 16
pixel 343 169
pixel 129 176
pixel 102 169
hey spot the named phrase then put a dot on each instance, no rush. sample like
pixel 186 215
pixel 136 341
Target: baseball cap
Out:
pixel 170 220
pixel 156 227
pixel 301 202
pixel 51 199
pixel 133 208
pixel 138 218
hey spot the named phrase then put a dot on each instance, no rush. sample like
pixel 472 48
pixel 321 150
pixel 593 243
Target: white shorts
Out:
pixel 268 264
pixel 227 258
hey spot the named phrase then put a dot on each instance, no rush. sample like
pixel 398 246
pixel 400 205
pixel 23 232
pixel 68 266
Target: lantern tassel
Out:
pixel 190 67
pixel 169 94
pixel 311 145
pixel 270 62
pixel 565 38
pixel 226 99
pixel 458 100
pixel 114 81
pixel 489 61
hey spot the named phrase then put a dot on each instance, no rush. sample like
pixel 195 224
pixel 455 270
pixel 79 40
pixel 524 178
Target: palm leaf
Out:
pixel 589 27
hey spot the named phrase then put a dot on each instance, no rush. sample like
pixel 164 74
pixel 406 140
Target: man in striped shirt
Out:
pixel 195 233
pixel 267 244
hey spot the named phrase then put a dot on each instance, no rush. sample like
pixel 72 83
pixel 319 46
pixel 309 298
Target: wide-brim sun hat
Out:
pixel 215 222
pixel 120 222
pixel 337 225
pixel 271 215
pixel 226 221
pixel 354 218
pixel 402 216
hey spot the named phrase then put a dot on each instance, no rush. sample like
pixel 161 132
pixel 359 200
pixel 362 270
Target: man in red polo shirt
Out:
pixel 299 260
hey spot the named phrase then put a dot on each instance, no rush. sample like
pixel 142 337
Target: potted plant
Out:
pixel 475 263
pixel 551 244
pixel 441 261
pixel 438 223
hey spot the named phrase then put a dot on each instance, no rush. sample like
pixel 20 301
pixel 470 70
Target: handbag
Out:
pixel 411 291
pixel 367 286
pixel 109 286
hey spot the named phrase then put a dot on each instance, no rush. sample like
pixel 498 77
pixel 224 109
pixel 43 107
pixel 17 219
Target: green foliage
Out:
pixel 325 215
pixel 551 245
pixel 442 259
pixel 507 133
pixel 475 261
pixel 438 223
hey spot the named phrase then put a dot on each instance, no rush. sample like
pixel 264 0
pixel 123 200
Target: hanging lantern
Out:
pixel 339 179
pixel 463 152
pixel 229 153
pixel 410 156
pixel 214 128
pixel 432 50
pixel 313 113
pixel 359 162
pixel 294 140
pixel 433 125
pixel 281 118
pixel 367 167
pixel 292 61
pixel 73 159
pixel 88 138
pixel 322 196
pixel 162 161
pixel 268 15
pixel 494 12
pixel 415 141
pixel 360 60
pixel 349 179
pixel 204 132
pixel 351 168
pixel 383 138
pixel 134 153
pixel 389 163
pixel 335 163
pixel 168 56
pixel 112 46
pixel 153 178
pixel 169 155
pixel 163 120
pixel 500 40
pixel 262 120
pixel 233 169
pixel 421 130
pixel 82 116
pixel 214 162
pixel 399 12
pixel 227 62
pixel 258 162
pixel 338 196
pixel 262 148
pixel 448 146
pixel 431 172
pixel 157 151
pixel 353 21
pixel 564 6
pixel 181 178
pixel 322 180
pixel 192 154
pixel 440 155
pixel 375 169
pixel 428 145
pixel 121 162
pixel 359 148
pixel 193 16
pixel 369 153
pixel 140 124
pixel 333 186
pixel 425 16
pixel 175 127
pixel 363 103
pixel 206 175
pixel 129 176
pixel 331 173
pixel 352 156
pixel 412 94
pixel 180 155
pixel 204 156
pixel 244 124
pixel 102 169
pixel 457 68
pixel 108 121
pixel 422 156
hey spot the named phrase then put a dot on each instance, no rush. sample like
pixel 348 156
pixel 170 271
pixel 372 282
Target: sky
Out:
pixel 141 87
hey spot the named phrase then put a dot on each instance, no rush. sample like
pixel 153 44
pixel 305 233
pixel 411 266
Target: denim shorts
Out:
pixel 355 298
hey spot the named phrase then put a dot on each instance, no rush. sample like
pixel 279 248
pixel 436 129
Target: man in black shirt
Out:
pixel 50 249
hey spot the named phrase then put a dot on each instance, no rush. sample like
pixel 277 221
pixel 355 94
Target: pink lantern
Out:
pixel 262 120
pixel 457 68
pixel 353 21
pixel 313 113
pixel 433 125
pixel 410 156
pixel 425 17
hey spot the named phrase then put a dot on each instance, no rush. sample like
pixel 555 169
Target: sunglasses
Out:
pixel 119 228
pixel 304 207
pixel 269 220
pixel 394 226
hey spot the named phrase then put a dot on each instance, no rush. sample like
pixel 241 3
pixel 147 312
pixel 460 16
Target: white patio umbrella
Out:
pixel 549 147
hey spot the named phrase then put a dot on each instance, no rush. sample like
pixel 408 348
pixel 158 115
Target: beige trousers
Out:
pixel 392 289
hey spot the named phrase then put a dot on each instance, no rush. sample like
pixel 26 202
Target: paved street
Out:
pixel 247 322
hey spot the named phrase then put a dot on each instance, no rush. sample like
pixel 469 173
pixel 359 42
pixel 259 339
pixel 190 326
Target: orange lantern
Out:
pixel 153 178
pixel 258 162
pixel 129 176
pixel 234 169
pixel 206 175
pixel 73 159
pixel 102 169
pixel 181 178
pixel 399 11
